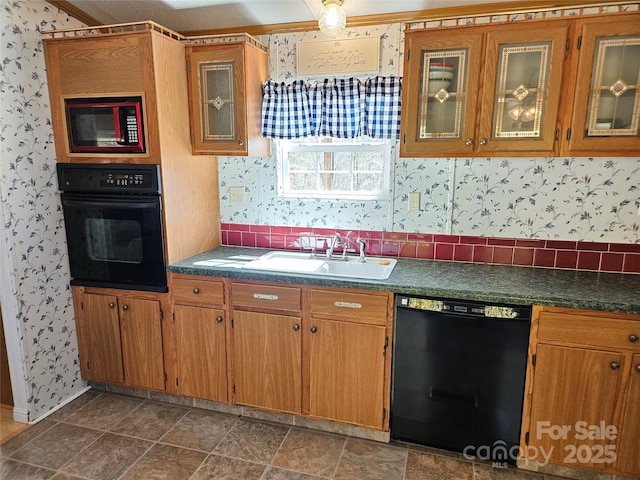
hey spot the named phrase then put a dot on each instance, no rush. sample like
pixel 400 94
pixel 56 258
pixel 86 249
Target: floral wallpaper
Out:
pixel 34 230
pixel 587 199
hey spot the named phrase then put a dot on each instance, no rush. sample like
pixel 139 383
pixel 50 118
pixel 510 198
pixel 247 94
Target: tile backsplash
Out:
pixel 561 254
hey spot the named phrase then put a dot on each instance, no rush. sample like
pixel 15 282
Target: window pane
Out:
pixel 302 181
pixel 340 181
pixel 370 182
pixel 369 161
pixel 302 161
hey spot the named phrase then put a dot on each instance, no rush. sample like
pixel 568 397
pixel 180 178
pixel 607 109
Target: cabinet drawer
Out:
pixel 589 330
pixel 265 296
pixel 196 290
pixel 349 306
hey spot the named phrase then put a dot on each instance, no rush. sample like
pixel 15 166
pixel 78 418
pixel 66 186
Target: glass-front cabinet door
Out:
pixel 440 92
pixel 216 86
pixel 521 94
pixel 606 112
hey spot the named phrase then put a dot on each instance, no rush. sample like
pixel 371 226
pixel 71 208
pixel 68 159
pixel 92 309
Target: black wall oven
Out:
pixel 113 220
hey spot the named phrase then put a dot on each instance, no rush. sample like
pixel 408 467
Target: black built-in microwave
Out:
pixel 105 125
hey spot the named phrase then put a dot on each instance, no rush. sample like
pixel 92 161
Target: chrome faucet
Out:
pixel 362 246
pixel 336 241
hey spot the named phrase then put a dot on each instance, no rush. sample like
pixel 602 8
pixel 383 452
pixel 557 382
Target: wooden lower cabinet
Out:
pixel 584 408
pixel 574 387
pixel 201 362
pixel 267 360
pixel 346 362
pixel 200 324
pixel 120 338
pixel 100 346
pixel 629 445
pixel 311 351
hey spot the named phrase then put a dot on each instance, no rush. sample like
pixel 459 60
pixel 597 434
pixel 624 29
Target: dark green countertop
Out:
pixel 613 292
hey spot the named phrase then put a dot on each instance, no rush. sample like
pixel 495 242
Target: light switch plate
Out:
pixel 236 194
pixel 414 201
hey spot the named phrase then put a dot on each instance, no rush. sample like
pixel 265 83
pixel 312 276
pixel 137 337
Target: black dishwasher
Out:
pixel 458 375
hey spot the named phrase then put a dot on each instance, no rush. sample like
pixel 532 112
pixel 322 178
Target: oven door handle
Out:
pixel 137 203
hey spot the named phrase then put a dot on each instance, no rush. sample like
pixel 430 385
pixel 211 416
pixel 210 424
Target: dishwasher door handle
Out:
pixel 441 395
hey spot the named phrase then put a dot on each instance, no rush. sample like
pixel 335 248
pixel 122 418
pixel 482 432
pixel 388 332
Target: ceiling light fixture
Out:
pixel 332 20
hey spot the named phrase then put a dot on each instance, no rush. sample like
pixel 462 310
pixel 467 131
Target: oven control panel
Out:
pixel 114 178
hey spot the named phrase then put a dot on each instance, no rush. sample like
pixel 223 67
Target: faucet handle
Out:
pixel 361 243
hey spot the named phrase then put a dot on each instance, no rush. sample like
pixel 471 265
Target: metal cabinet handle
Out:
pixel 111 305
pixel 125 307
pixel 240 142
pixel 633 338
pixel 614 365
pixel 468 142
pixel 296 327
pixel 313 330
pixel 483 141
pixel 219 319
pixel 638 368
pixel 196 290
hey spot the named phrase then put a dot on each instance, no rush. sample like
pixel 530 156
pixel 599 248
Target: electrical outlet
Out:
pixel 236 194
pixel 414 202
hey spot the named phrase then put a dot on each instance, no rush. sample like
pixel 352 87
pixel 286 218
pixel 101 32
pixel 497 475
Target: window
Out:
pixel 332 168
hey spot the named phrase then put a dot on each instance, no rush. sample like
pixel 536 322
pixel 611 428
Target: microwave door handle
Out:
pixel 116 123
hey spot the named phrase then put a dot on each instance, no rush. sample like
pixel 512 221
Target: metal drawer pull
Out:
pixel 219 319
pixel 265 296
pixel 111 305
pixel 614 365
pixel 638 368
pixel 347 304
pixel 296 327
pixel 633 338
pixel 313 329
pixel 125 307
pixel 196 290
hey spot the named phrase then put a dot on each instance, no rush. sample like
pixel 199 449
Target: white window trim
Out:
pixel 286 146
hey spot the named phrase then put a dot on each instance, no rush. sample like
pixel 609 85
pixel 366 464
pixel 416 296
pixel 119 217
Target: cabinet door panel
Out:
pixel 629 451
pixel 440 93
pixel 606 115
pixel 573 385
pixel 267 352
pixel 217 91
pixel 101 333
pixel 142 343
pixel 201 362
pixel 347 372
pixel 522 84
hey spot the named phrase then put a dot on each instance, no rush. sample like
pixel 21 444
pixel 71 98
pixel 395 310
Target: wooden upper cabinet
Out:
pixel 606 106
pixel 440 92
pixel 521 89
pixel 482 90
pixel 225 90
pixel 120 65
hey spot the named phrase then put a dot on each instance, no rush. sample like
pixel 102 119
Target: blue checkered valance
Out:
pixel 340 108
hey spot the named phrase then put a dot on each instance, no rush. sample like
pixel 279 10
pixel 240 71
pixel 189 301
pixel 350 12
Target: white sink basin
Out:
pixel 299 262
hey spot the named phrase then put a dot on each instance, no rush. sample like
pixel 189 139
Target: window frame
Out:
pixel 334 145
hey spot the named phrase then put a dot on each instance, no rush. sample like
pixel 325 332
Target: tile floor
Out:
pixel 102 436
